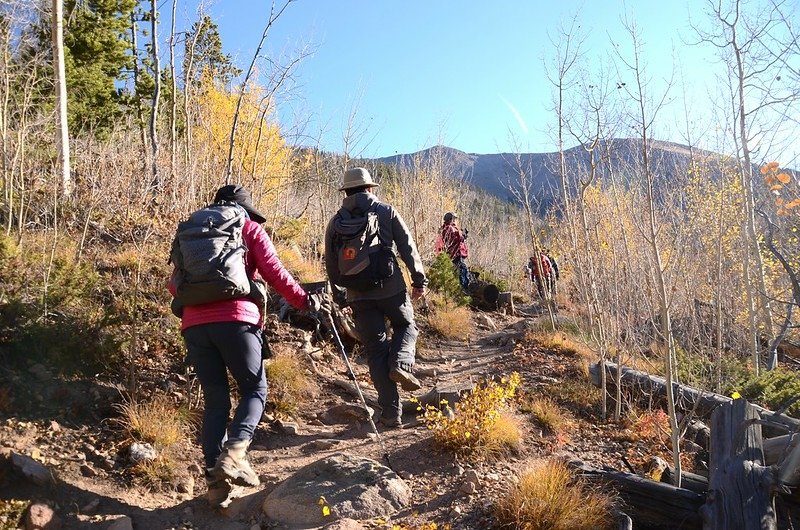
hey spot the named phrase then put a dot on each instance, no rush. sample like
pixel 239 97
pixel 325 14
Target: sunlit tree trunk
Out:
pixel 156 183
pixel 62 128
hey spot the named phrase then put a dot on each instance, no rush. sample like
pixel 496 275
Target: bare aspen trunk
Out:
pixel 139 117
pixel 173 129
pixel 156 183
pixel 62 135
pixel 272 18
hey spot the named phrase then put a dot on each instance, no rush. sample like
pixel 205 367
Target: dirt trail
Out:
pixel 434 476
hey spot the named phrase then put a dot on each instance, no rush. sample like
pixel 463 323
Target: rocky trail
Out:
pixel 76 473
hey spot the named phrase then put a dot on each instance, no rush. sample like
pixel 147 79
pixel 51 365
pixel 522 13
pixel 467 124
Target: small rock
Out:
pixel 41 517
pixel 494 477
pixel 344 524
pixel 186 485
pixel 322 445
pixel 486 321
pixel 468 488
pixel 288 427
pixel 425 371
pixel 122 522
pixel 195 469
pixel 140 452
pixel 31 469
pixel 372 436
pixel 107 464
pixel 455 510
pixel 54 426
pixel 471 477
pixel 88 471
pixel 91 506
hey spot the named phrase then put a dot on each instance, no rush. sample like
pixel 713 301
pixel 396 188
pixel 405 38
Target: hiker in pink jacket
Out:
pixel 225 335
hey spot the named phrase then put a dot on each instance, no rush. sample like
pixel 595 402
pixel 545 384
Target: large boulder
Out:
pixel 337 487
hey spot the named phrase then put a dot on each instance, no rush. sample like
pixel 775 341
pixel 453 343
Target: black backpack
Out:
pixel 363 259
pixel 208 253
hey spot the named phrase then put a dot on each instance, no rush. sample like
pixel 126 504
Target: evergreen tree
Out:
pixel 204 47
pixel 98 55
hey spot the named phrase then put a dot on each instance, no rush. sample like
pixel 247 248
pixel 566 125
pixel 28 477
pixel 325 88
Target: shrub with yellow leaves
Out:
pixel 482 424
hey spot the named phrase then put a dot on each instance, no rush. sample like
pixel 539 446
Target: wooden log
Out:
pixel 775 449
pixel 689 481
pixel 739 484
pixel 687 399
pixel 647 502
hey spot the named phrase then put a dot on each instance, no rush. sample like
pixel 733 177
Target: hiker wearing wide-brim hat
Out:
pixel 362 243
pixel 358 177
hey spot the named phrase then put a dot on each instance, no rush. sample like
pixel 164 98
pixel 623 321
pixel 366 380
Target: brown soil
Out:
pixel 86 450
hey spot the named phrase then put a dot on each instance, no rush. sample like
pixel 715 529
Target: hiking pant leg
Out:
pixel 463 272
pixel 371 330
pixel 400 312
pixel 211 372
pixel 240 346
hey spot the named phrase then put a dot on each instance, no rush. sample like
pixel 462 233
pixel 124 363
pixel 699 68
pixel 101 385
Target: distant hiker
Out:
pixel 555 276
pixel 453 241
pixel 540 276
pixel 218 254
pixel 360 244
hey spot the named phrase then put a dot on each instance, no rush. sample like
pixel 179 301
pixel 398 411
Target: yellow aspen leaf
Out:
pixel 793 204
pixel 764 169
pixel 775 187
pixel 326 511
pixel 783 177
pixel 779 202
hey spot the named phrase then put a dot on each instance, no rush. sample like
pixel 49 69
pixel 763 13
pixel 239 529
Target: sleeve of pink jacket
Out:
pixel 261 250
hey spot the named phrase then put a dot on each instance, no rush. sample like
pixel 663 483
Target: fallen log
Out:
pixel 775 449
pixel 740 486
pixel 687 399
pixel 649 503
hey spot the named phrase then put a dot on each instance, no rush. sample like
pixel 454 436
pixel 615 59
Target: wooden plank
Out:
pixel 647 502
pixel 687 398
pixel 739 484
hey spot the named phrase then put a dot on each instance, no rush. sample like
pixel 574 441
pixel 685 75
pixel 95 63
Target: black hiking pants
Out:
pixel 384 353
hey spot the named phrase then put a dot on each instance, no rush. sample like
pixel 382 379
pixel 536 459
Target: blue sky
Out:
pixel 462 73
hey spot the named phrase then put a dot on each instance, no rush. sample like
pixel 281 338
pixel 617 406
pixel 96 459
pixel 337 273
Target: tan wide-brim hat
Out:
pixel 356 178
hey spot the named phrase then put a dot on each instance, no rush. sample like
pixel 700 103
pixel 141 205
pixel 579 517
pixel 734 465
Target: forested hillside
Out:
pixel 681 259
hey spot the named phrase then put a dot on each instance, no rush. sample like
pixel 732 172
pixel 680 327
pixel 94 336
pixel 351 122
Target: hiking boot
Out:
pixel 405 379
pixel 232 465
pixel 391 423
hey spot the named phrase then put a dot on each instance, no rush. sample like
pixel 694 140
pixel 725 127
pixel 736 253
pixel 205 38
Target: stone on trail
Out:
pixel 345 524
pixel 41 517
pixel 31 469
pixel 122 522
pixel 346 413
pixel 337 487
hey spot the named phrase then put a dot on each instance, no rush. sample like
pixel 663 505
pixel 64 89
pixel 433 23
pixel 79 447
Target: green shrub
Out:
pixel 443 278
pixel 772 389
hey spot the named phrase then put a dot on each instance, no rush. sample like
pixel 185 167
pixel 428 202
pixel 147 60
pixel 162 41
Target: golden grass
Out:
pixel 481 425
pixel 578 392
pixel 546 413
pixel 157 422
pixel 452 322
pixel 547 497
pixel 564 344
pixel 301 268
pixel 288 384
pixel 503 436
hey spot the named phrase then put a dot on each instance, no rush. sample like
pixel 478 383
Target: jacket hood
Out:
pixel 352 217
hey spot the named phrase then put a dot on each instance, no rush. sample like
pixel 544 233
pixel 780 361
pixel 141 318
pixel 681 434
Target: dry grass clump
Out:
pixel 452 322
pixel 160 423
pixel 548 497
pixel 481 425
pixel 546 412
pixel 577 392
pixel 301 268
pixel 288 383
pixel 157 422
pixel 563 343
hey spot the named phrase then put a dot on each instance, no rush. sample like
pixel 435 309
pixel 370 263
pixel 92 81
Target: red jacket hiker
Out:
pixel 261 258
pixel 451 240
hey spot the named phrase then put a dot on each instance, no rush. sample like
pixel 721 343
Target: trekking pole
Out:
pixel 340 346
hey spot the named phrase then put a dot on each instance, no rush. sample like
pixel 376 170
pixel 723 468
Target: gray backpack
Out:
pixel 208 253
pixel 363 259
